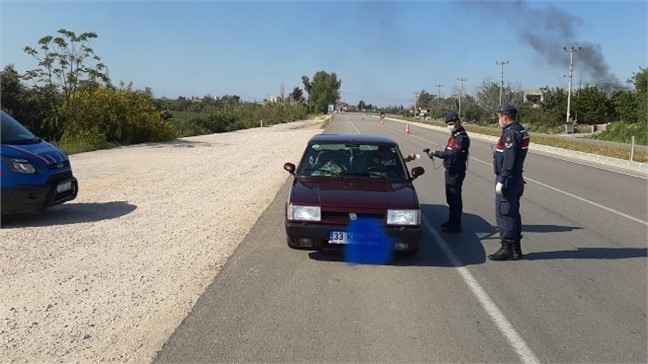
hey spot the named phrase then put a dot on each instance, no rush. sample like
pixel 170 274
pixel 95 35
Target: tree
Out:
pixel 24 103
pixel 625 106
pixel 425 99
pixel 297 95
pixel 591 106
pixel 12 89
pixel 361 105
pixel 641 91
pixel 64 63
pixel 323 90
pixel 488 95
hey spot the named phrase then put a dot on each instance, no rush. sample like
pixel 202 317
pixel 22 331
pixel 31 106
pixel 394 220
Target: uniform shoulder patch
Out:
pixel 508 141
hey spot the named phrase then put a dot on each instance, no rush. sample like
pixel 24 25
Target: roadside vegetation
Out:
pixel 69 100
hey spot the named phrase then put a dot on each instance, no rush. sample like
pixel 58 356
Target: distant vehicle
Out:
pixel 341 178
pixel 34 175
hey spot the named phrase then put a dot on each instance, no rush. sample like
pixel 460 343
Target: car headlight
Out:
pixel 19 165
pixel 404 217
pixel 304 213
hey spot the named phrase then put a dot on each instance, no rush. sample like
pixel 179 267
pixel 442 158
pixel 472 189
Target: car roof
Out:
pixel 352 139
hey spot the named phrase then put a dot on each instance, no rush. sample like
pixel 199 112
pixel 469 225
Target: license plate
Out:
pixel 65 186
pixel 342 237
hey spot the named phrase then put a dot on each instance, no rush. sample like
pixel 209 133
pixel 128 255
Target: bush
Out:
pixel 622 132
pixel 235 117
pixel 83 142
pixel 118 117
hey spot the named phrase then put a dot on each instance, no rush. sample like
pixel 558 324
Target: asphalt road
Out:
pixel 579 295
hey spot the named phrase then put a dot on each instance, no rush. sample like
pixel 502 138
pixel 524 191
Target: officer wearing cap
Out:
pixel 508 163
pixel 455 160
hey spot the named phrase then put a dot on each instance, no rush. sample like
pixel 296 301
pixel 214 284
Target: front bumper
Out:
pixel 25 199
pixel 316 236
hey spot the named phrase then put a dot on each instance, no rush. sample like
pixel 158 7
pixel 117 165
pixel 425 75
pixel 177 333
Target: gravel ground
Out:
pixel 110 275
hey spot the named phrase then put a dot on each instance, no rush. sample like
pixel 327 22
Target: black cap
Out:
pixel 507 109
pixel 451 117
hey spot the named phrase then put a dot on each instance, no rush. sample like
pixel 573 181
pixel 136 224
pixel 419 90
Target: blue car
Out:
pixel 35 174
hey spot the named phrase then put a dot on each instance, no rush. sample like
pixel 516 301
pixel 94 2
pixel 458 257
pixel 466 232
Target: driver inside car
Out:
pixel 326 161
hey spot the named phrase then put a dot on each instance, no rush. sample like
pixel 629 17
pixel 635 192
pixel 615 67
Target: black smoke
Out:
pixel 547 31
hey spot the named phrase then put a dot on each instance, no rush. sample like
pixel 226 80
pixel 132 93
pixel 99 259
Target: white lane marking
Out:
pixel 354 127
pixel 577 197
pixel 514 339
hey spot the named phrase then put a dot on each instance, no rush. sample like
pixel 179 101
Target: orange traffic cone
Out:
pixel 407 130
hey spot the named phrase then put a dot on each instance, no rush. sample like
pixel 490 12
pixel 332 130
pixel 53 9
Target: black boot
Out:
pixel 446 224
pixel 517 251
pixel 504 253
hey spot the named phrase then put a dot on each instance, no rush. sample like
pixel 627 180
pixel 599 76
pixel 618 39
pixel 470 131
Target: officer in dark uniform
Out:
pixel 508 163
pixel 455 160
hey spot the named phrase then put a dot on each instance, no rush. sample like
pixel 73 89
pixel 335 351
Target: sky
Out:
pixel 382 51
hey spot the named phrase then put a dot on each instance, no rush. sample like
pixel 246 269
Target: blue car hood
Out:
pixel 42 153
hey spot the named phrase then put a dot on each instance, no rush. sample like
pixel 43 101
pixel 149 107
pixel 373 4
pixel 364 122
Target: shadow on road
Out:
pixel 590 253
pixel 547 228
pixel 477 239
pixel 467 245
pixel 70 213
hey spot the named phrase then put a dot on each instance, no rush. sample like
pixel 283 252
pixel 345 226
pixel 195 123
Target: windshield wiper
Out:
pixel 328 173
pixel 365 174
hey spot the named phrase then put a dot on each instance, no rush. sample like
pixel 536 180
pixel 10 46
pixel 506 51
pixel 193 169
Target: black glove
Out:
pixel 427 151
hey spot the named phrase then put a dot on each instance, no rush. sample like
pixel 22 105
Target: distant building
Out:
pixel 535 97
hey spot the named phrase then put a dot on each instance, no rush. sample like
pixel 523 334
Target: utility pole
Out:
pixel 571 51
pixel 461 80
pixel 501 63
pixel 438 91
pixel 415 101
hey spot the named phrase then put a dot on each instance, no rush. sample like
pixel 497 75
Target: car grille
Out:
pixel 58 165
pixel 329 217
pixel 60 197
pixel 56 178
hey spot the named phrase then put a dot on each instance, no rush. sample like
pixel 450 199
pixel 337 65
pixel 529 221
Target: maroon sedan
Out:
pixel 343 178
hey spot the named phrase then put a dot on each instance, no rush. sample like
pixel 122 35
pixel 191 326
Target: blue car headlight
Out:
pixel 19 165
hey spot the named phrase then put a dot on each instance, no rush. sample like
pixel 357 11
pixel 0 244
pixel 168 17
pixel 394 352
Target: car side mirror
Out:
pixel 417 171
pixel 290 168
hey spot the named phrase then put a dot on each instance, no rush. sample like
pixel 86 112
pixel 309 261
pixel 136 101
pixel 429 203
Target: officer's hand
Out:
pixel 498 188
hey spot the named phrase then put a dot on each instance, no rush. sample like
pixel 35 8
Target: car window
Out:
pixel 325 160
pixel 360 160
pixel 13 132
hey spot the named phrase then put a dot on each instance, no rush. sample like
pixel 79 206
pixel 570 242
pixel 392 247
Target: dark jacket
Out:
pixel 455 155
pixel 512 148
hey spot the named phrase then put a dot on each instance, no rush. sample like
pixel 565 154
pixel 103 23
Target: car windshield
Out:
pixel 15 133
pixel 353 160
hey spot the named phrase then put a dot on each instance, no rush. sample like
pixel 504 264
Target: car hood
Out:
pixel 354 192
pixel 42 153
